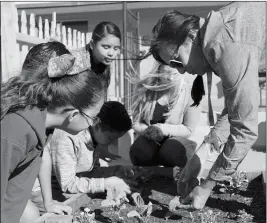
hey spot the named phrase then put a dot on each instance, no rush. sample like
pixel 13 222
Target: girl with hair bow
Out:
pixel 59 92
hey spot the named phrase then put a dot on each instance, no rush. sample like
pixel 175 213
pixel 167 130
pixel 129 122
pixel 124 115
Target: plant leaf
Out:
pixel 143 211
pixel 138 200
pixel 133 214
pixel 149 209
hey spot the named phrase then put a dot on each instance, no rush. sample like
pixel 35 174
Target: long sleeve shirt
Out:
pixel 233 40
pixel 72 154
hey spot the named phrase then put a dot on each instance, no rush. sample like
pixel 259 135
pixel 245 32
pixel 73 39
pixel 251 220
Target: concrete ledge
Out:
pixel 75 201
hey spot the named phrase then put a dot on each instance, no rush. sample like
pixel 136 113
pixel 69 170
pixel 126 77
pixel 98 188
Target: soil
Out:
pixel 245 204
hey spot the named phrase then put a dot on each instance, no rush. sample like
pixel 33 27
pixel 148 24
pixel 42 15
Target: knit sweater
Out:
pixel 72 154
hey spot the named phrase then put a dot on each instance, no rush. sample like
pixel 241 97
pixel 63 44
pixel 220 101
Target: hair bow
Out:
pixel 69 64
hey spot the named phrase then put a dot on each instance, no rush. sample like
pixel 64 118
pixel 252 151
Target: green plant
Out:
pixel 244 216
pixel 143 211
pixel 117 208
pixel 208 216
pixel 234 184
pixel 85 216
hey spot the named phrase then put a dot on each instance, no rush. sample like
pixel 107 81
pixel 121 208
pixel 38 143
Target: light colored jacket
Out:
pixel 233 39
pixel 182 119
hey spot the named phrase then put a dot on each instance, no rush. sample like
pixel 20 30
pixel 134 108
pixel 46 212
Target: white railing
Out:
pixel 21 32
pixel 116 87
pixel 28 34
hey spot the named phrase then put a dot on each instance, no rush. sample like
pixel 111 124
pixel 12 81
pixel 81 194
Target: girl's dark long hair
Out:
pixel 33 87
pixel 105 28
pixel 198 90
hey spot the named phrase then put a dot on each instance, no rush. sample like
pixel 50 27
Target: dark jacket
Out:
pixel 22 141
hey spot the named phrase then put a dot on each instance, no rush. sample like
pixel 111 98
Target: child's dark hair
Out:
pixel 34 88
pixel 101 31
pixel 114 117
pixel 172 29
pixel 41 53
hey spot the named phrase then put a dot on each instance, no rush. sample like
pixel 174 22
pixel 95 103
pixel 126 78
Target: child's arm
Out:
pixel 45 183
pixel 65 158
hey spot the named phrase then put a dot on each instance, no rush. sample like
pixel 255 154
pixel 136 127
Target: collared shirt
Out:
pixel 233 40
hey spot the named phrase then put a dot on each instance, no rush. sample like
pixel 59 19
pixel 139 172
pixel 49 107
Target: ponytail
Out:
pixel 197 91
pixel 18 93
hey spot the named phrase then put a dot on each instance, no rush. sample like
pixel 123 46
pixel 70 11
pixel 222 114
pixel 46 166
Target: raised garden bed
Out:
pixel 245 204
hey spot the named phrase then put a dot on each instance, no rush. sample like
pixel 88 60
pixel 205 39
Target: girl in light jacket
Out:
pixel 164 116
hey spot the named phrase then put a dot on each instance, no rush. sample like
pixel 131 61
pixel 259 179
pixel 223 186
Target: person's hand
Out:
pixel 197 198
pixel 174 203
pixel 57 207
pixel 153 132
pixel 116 188
pixel 190 175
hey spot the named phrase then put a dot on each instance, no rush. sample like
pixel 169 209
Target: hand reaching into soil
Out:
pixel 195 200
pixel 117 191
pixel 174 203
pixel 191 174
pixel 198 197
pixel 117 187
pixel 208 150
